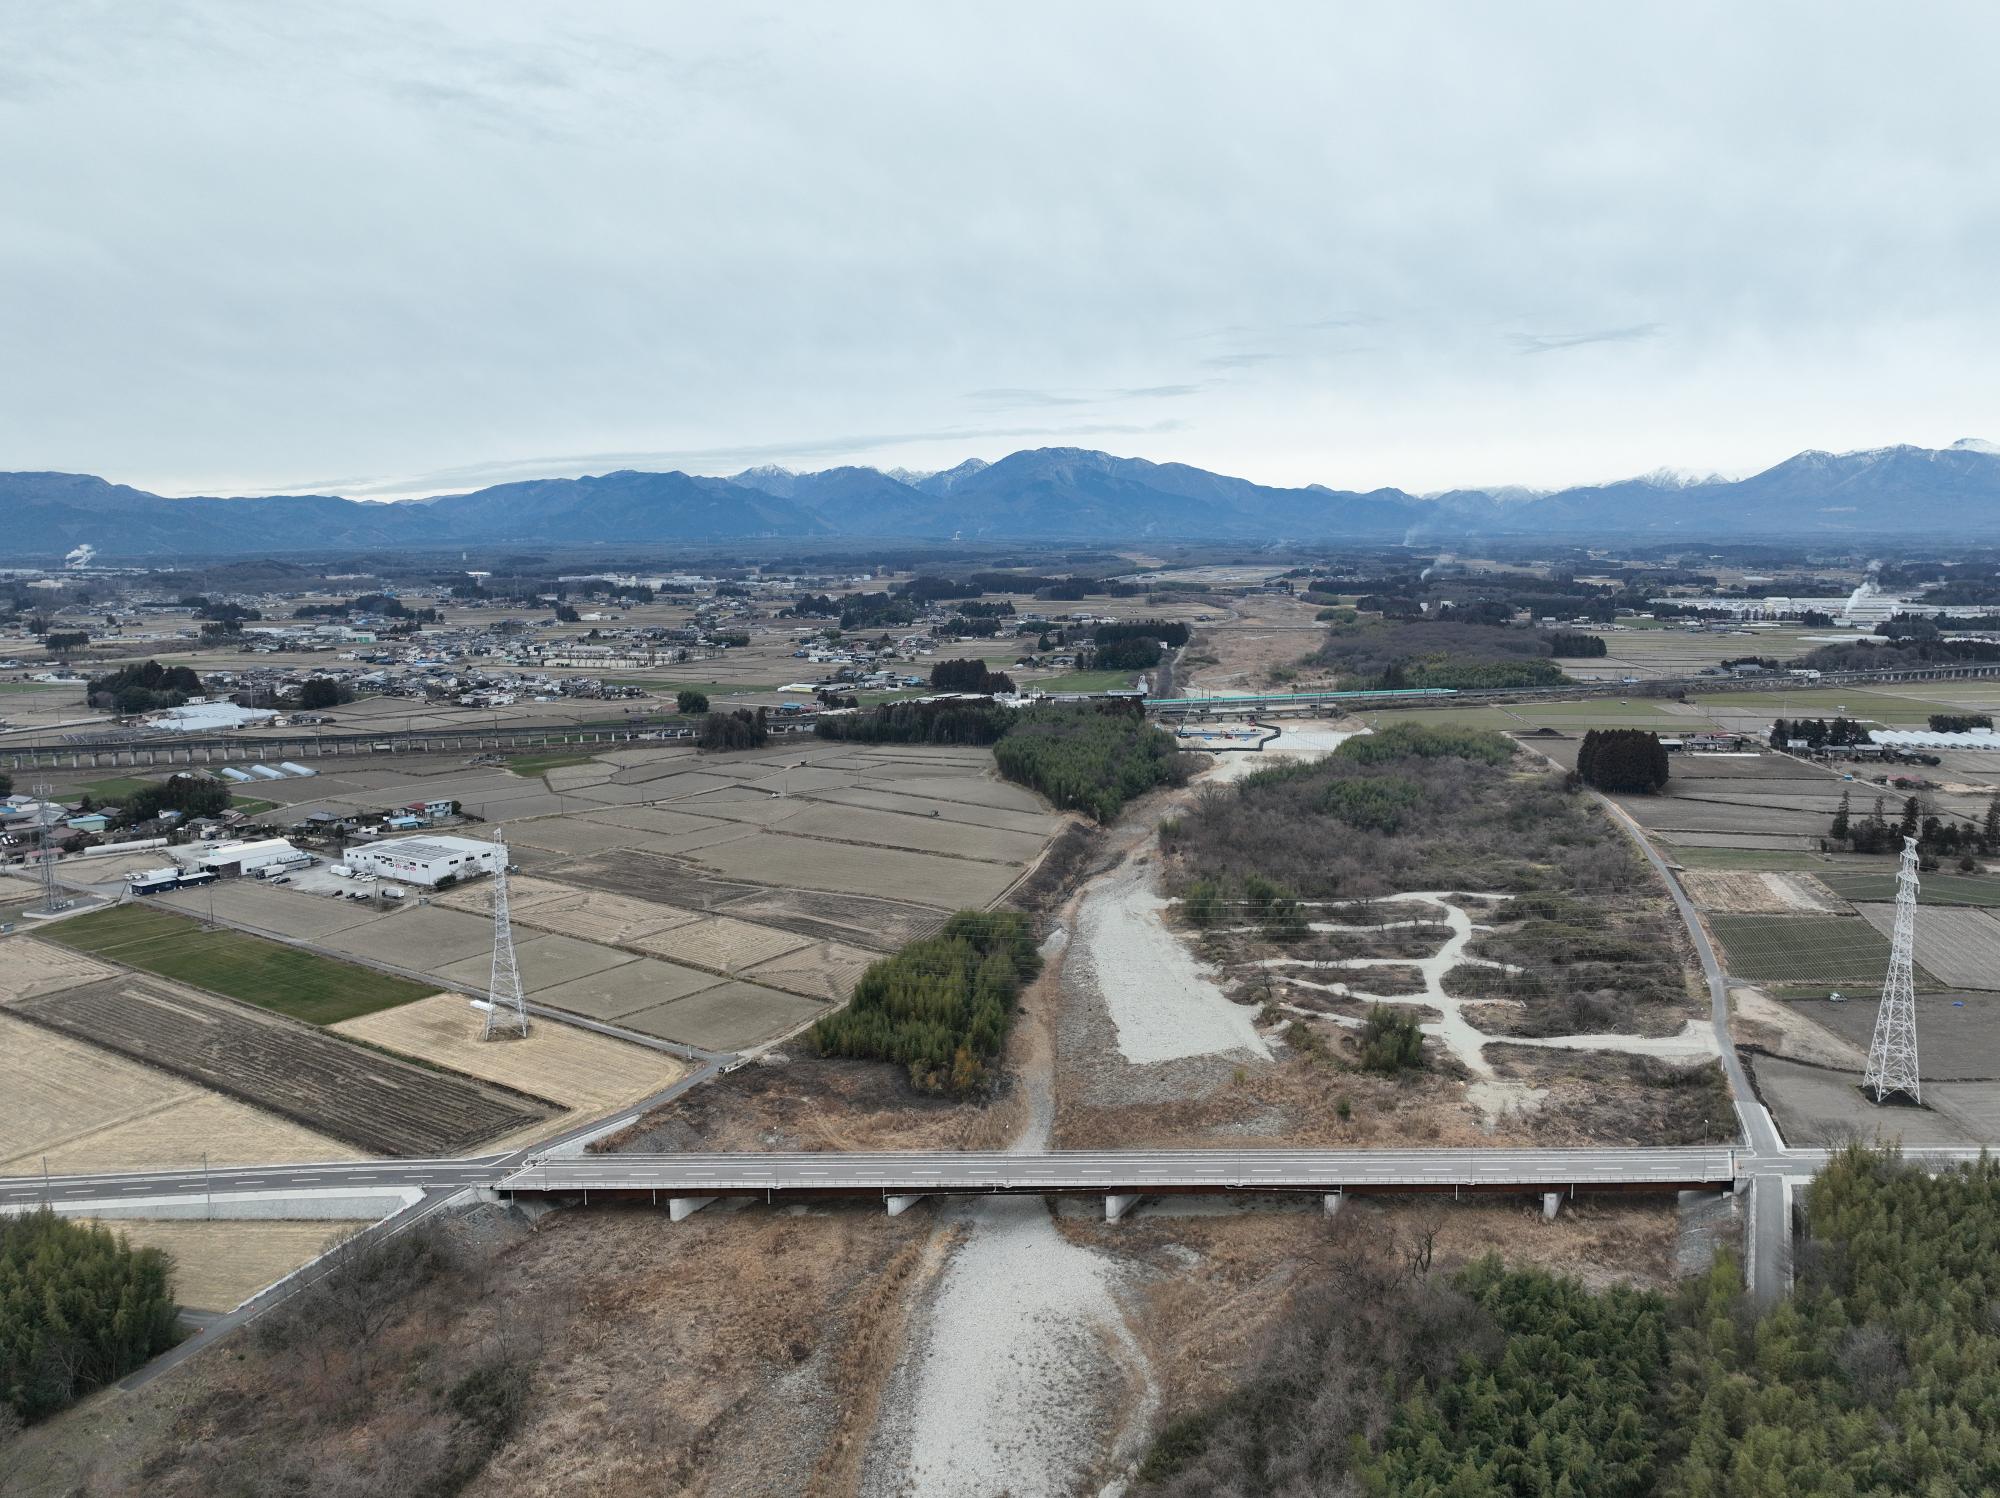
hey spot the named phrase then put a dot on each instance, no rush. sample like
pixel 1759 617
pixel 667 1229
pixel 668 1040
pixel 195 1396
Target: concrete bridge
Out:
pixel 685 1183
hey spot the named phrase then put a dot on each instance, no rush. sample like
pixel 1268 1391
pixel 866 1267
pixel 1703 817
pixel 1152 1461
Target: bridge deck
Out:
pixel 1106 1172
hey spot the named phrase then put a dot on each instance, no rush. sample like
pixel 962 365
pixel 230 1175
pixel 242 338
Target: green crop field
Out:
pixel 113 790
pixel 1867 887
pixel 1804 949
pixel 1079 681
pixel 1748 860
pixel 1597 710
pixel 1827 702
pixel 1498 719
pixel 554 759
pixel 269 974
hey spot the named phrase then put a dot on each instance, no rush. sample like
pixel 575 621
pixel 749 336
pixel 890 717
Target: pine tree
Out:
pixel 1840 815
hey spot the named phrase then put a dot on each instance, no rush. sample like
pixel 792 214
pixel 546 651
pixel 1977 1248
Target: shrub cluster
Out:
pixel 1411 807
pixel 1390 654
pixel 1391 1041
pixel 941 1006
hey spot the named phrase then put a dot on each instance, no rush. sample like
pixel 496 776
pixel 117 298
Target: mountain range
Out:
pixel 1045 494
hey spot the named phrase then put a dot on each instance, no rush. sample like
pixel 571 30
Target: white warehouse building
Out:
pixel 426 860
pixel 248 858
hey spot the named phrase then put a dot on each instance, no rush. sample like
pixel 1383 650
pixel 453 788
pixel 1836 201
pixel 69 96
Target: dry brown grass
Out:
pixel 1760 893
pixel 85 1109
pixel 1788 1030
pixel 29 967
pixel 1210 1283
pixel 1267 631
pixel 816 1104
pixel 219 1265
pixel 585 1073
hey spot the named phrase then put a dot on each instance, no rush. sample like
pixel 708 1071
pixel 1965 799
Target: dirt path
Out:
pixel 1466 1041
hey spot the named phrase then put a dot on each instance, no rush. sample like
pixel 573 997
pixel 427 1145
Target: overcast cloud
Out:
pixel 391 249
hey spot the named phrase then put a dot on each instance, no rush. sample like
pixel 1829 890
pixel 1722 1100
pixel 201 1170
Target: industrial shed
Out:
pixel 426 860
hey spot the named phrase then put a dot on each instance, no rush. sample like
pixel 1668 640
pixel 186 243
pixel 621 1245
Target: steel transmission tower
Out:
pixel 507 1007
pixel 53 898
pixel 1892 1056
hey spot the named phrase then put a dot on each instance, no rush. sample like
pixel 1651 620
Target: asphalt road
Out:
pixel 262 1180
pixel 1758 1129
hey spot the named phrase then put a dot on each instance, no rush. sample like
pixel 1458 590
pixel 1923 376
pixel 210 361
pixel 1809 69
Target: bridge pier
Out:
pixel 1117 1205
pixel 681 1208
pixel 1330 1203
pixel 1551 1204
pixel 898 1205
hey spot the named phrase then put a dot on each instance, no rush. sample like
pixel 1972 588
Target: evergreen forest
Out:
pixel 1878 1376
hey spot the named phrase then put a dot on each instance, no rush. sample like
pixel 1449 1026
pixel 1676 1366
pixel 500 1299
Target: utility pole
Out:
pixel 1892 1055
pixel 506 1005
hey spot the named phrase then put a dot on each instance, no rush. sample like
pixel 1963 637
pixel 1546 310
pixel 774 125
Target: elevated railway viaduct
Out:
pixel 100 750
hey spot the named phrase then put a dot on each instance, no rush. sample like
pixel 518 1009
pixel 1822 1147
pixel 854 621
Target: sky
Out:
pixel 383 250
